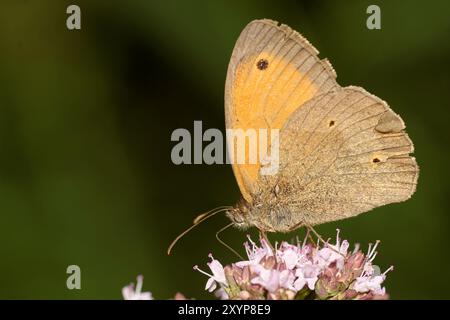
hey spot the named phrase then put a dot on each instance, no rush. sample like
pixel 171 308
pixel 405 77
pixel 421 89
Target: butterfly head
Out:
pixel 239 214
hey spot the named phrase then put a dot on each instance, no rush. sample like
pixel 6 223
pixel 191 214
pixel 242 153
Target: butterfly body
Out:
pixel 268 214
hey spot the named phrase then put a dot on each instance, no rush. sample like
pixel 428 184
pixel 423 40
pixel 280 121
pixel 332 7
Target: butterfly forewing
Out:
pixel 273 71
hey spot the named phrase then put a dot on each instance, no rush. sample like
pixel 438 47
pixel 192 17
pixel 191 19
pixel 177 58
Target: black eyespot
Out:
pixel 375 160
pixel 262 64
pixel 331 123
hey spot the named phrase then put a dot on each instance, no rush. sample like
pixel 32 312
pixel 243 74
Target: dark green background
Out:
pixel 86 118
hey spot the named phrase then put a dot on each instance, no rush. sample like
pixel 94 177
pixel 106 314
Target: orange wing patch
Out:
pixel 273 71
pixel 257 109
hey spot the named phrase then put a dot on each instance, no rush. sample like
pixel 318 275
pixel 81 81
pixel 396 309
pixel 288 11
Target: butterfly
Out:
pixel 342 150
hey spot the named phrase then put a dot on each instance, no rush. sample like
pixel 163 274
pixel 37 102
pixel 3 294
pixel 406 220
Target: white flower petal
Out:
pixel 218 271
pixel 128 292
pixel 211 285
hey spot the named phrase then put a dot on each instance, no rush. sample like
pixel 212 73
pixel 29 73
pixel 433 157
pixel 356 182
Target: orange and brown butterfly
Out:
pixel 342 150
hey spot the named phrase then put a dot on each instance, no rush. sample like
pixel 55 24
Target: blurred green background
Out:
pixel 86 118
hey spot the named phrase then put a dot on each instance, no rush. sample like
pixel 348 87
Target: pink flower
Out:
pixel 333 253
pixel 367 284
pixel 267 278
pixel 254 253
pixel 131 293
pixel 308 274
pixel 272 279
pixel 221 294
pixel 291 255
pixel 217 277
pixel 305 270
pixel 179 296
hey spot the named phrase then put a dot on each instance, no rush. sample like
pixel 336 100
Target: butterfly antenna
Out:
pixel 225 244
pixel 197 221
pixel 205 215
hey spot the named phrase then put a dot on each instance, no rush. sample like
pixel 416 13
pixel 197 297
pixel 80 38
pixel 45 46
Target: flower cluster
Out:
pixel 302 271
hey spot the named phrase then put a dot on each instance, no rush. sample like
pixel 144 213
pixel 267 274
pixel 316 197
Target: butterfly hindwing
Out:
pixel 344 153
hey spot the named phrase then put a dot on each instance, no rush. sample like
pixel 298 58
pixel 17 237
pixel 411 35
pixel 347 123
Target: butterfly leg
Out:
pixel 308 233
pixel 263 235
pixel 308 236
pixel 310 227
pixel 225 244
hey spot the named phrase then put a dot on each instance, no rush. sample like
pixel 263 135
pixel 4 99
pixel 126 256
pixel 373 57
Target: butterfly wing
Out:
pixel 273 71
pixel 341 154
